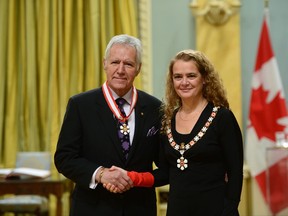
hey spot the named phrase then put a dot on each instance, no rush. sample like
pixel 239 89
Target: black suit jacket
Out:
pixel 88 139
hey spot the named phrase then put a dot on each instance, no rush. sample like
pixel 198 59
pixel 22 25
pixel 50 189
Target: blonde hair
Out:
pixel 213 89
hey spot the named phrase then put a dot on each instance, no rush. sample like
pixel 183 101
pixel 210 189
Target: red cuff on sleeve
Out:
pixel 141 179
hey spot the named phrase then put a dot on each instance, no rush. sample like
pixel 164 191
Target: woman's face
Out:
pixel 187 80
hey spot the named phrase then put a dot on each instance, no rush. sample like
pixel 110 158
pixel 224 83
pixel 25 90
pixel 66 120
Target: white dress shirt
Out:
pixel 131 124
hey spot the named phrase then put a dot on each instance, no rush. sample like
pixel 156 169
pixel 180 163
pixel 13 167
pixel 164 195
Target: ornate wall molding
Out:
pixel 216 12
pixel 146 38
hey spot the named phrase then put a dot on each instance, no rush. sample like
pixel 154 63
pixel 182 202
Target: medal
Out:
pixel 182 163
pixel 124 129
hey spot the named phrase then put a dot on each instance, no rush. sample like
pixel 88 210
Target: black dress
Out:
pixel 202 188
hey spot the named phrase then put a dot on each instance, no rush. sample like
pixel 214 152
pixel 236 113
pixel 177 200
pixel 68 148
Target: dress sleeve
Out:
pixel 159 176
pixel 232 144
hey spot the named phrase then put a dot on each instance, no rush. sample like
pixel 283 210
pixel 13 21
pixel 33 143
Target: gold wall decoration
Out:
pixel 216 12
pixel 145 30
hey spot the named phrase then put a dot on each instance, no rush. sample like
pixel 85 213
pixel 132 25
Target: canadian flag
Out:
pixel 267 115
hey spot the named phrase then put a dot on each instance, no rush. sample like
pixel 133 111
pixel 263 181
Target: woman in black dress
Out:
pixel 202 155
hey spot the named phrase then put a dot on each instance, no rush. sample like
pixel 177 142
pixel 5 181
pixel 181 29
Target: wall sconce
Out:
pixel 216 12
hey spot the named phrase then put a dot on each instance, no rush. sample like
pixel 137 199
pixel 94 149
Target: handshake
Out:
pixel 115 179
pixel 118 180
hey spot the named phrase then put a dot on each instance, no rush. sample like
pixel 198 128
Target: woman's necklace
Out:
pixel 193 114
pixel 182 163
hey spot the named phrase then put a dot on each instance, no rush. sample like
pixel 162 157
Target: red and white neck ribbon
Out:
pixel 114 107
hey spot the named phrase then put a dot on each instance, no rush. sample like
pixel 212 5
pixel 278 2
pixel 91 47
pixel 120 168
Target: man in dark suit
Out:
pixel 89 142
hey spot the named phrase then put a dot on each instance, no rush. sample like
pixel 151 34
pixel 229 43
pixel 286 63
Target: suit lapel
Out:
pixel 109 123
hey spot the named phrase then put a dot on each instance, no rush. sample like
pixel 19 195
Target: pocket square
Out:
pixel 152 131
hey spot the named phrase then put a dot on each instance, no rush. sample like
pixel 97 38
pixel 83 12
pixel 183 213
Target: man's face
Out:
pixel 121 68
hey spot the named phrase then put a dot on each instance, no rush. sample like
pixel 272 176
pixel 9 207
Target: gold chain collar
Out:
pixel 182 163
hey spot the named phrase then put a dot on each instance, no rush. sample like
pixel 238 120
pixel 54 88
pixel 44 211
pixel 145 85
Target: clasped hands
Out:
pixel 116 180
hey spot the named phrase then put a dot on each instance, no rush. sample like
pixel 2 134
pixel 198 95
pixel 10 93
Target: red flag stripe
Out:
pixel 264 44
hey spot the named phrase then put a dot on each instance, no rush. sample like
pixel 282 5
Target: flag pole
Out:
pixel 266 11
pixel 266 3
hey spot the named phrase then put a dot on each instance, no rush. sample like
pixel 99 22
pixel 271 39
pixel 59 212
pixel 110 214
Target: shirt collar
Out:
pixel 127 96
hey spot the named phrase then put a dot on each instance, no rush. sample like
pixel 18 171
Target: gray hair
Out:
pixel 126 40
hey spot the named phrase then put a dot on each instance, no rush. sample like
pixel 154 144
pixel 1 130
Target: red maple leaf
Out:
pixel 264 116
